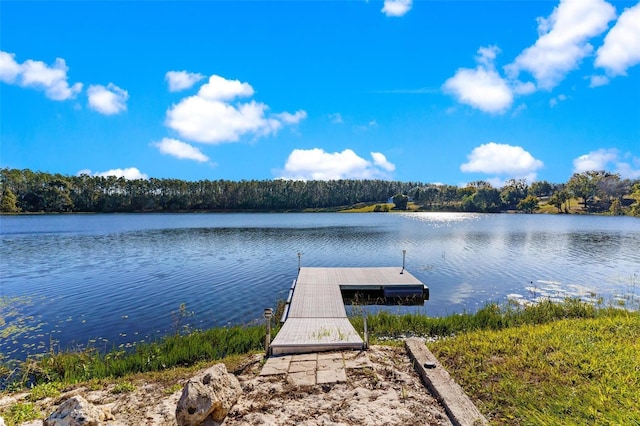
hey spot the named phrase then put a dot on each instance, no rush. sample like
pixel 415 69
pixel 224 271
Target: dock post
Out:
pixel 404 252
pixel 268 312
pixel 366 333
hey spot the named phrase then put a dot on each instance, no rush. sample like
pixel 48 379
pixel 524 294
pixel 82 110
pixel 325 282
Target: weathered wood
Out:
pixel 460 409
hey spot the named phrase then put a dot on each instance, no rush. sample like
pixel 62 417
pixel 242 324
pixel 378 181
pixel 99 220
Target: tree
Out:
pixel 529 204
pixel 486 200
pixel 585 185
pixel 513 192
pixel 558 199
pixel 9 201
pixel 634 209
pixel 401 201
pixel 541 188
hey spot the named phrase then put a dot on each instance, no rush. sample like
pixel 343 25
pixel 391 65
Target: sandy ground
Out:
pixel 382 389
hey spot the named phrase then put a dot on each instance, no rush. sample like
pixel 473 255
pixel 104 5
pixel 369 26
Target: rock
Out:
pixel 77 411
pixel 1 421
pixel 208 397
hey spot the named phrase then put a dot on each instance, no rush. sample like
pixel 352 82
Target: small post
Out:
pixel 366 333
pixel 404 252
pixel 268 312
pixel 299 257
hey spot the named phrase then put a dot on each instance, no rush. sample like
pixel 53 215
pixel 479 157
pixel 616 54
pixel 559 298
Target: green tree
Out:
pixel 401 201
pixel 558 199
pixel 486 200
pixel 634 209
pixel 9 202
pixel 541 188
pixel 513 192
pixel 585 185
pixel 529 204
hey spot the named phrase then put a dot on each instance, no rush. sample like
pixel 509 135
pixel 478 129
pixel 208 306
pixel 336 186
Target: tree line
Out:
pixel 30 192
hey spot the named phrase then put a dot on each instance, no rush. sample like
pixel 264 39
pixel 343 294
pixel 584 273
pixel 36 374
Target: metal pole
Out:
pixel 299 256
pixel 404 252
pixel 268 312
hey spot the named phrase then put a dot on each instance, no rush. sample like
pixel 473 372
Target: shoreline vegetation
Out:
pixel 568 362
pixel 591 192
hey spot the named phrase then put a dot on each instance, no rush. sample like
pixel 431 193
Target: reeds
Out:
pixel 170 351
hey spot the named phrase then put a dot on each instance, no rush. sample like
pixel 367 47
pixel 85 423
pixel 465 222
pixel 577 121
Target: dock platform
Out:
pixel 316 318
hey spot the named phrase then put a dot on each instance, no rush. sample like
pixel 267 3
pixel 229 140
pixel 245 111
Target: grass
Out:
pixel 569 363
pixel 20 413
pixel 569 372
pixel 384 325
pixel 549 363
pixel 170 351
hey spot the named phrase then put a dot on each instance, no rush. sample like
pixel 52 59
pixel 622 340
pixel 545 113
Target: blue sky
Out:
pixel 430 91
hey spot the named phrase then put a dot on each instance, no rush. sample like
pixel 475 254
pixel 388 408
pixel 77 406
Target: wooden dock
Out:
pixel 315 317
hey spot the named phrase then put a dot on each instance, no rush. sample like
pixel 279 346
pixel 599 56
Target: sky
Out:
pixel 412 90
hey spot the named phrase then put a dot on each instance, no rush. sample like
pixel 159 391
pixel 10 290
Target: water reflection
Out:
pixel 114 280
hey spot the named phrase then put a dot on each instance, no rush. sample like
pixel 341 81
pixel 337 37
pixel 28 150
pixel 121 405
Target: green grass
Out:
pixel 171 351
pixel 123 387
pixel 45 390
pixel 383 324
pixel 569 372
pixel 19 413
pixel 549 363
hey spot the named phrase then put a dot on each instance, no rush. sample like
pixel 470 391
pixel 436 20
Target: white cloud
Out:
pixel 336 118
pixel 381 161
pixel 481 88
pixel 181 80
pixel 595 160
pixel 107 100
pixel 629 170
pixel 9 68
pixel 180 150
pixel 211 117
pixel 36 74
pixel 316 164
pixel 598 80
pixel 608 160
pixel 553 102
pixel 396 7
pixel 129 173
pixel 210 121
pixel 502 159
pixel 221 89
pixel 621 48
pixel 289 118
pixel 563 41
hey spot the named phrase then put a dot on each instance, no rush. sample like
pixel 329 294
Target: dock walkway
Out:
pixel 316 319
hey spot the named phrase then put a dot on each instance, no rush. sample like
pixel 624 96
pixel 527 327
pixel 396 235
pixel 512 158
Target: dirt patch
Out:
pixel 381 388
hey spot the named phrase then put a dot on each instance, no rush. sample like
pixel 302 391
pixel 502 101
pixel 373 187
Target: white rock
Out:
pixel 76 411
pixel 208 397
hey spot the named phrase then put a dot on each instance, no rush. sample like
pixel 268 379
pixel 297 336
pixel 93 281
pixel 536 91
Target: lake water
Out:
pixel 114 280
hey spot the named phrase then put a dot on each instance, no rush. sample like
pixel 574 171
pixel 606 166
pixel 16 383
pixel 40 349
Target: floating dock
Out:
pixel 315 318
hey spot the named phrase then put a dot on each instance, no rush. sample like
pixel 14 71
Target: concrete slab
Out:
pixel 300 366
pixel 276 366
pixel 304 357
pixel 331 376
pixel 330 355
pixel 330 364
pixel 302 378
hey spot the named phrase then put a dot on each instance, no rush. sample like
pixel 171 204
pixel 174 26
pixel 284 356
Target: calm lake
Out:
pixel 114 280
